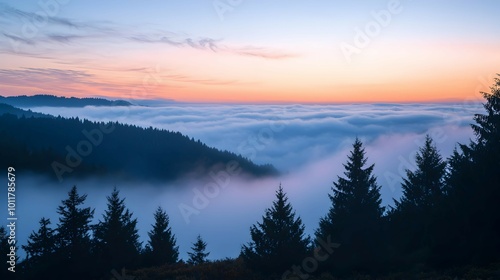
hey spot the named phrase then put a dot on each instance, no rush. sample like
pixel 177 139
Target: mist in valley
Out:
pixel 308 144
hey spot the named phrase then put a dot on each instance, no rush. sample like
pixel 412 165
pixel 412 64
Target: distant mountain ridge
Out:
pixel 39 100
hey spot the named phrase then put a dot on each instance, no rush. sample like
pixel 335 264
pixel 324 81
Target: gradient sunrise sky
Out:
pixel 250 51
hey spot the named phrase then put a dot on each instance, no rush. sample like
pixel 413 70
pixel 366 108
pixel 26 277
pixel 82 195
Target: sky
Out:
pixel 307 143
pixel 242 51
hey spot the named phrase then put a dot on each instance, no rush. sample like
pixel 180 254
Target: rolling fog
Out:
pixel 308 143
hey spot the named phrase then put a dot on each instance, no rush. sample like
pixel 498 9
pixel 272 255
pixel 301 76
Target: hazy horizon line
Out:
pixel 291 102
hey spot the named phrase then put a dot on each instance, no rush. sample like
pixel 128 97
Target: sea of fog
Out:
pixel 307 143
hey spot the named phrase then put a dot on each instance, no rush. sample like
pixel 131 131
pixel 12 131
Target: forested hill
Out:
pixel 25 101
pixel 63 148
pixel 8 109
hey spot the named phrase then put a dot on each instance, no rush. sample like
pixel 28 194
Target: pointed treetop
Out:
pixel 161 246
pixel 279 240
pixel 487 129
pixel 41 243
pixel 198 254
pixel 355 196
pixel 425 185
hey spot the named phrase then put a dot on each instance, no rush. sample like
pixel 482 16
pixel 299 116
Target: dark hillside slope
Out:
pixel 74 147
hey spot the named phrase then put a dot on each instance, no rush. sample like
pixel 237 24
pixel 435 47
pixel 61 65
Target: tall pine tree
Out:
pixel 116 237
pixel 474 188
pixel 278 242
pixel 40 250
pixel 424 187
pixel 486 158
pixel 422 204
pixel 73 236
pixel 198 254
pixel 161 248
pixel 354 218
pixel 460 198
pixel 487 127
pixel 5 249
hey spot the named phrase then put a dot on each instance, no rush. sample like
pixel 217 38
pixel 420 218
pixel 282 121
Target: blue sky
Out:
pixel 251 51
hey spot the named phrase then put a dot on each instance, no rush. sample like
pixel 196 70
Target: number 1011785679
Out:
pixel 11 189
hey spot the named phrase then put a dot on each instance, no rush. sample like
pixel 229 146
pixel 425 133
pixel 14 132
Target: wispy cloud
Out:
pixel 177 41
pixel 60 81
pixel 7 11
pixel 65 31
pixel 64 38
pixel 214 45
pixel 19 39
pixel 41 75
pixel 263 53
pixel 66 81
pixel 187 79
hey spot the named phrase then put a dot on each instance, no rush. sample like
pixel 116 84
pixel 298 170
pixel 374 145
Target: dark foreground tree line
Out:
pixel 447 218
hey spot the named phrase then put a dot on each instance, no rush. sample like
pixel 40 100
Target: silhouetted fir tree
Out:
pixel 474 188
pixel 5 249
pixel 423 187
pixel 278 242
pixel 354 219
pixel 487 127
pixel 460 194
pixel 40 250
pixel 73 237
pixel 116 237
pixel 161 248
pixel 198 254
pixel 457 170
pixel 419 212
